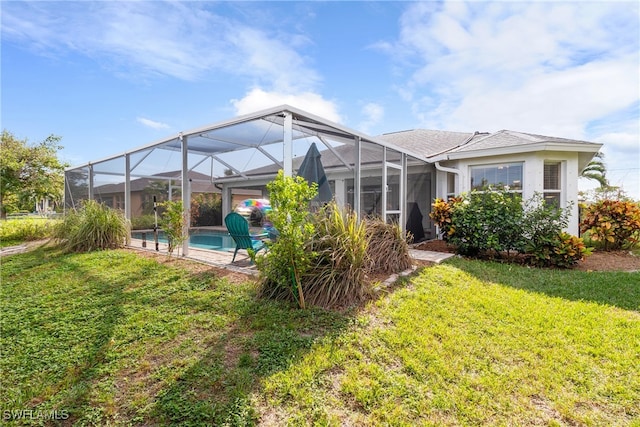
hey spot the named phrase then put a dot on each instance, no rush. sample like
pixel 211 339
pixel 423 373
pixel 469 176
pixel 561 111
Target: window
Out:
pixel 504 175
pixel 552 183
pixel 451 184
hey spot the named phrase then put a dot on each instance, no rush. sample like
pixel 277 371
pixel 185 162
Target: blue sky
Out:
pixel 108 76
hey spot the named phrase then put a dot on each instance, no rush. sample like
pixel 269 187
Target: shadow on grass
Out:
pixel 67 328
pixel 267 337
pixel 141 343
pixel 107 298
pixel 619 289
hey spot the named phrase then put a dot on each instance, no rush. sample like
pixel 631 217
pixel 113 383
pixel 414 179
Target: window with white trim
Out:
pixel 451 185
pixel 498 176
pixel 552 183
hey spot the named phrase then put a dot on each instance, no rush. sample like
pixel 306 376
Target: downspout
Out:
pixel 451 170
pixel 448 170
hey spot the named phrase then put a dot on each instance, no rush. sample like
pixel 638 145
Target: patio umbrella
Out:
pixel 254 210
pixel 311 169
pixel 262 204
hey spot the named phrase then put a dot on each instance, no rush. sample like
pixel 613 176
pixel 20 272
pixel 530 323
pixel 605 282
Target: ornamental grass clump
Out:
pixel 94 226
pixel 388 250
pixel 337 273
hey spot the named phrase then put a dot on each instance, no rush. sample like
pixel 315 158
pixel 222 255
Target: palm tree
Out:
pixel 596 170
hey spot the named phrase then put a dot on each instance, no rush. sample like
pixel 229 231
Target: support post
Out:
pixel 127 187
pixel 90 189
pixel 385 186
pixel 403 194
pixel 356 176
pixel 226 201
pixel 287 142
pixel 186 194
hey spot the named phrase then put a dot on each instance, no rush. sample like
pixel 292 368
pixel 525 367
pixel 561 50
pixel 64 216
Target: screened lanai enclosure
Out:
pixel 220 165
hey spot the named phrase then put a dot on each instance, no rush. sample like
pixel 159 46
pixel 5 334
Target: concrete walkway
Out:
pixel 10 250
pixel 435 257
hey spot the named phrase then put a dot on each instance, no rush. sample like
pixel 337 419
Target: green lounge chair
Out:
pixel 238 228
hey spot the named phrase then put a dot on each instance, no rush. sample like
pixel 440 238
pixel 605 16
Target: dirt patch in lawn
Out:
pixel 597 261
pixel 195 267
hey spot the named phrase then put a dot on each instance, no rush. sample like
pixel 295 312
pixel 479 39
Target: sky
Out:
pixel 109 76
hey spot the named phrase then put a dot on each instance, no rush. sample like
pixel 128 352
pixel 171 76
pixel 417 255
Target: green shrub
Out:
pixel 442 213
pixel 388 251
pixel 144 222
pixel 338 252
pixel 487 222
pixel 93 227
pixel 560 250
pixel 287 261
pixel 26 229
pixel 541 220
pixel 206 209
pixel 495 221
pixel 172 221
pixel 612 224
pixel 568 251
pixel 541 228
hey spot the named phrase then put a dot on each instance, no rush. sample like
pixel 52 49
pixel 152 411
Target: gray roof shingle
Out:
pixel 426 142
pixel 508 138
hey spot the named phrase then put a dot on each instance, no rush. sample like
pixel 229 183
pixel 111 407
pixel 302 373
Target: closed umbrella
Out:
pixel 312 170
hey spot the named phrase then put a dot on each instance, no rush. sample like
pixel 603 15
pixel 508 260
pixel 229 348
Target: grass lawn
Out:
pixel 114 338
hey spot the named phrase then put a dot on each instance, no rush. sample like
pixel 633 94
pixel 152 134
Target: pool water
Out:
pixel 202 239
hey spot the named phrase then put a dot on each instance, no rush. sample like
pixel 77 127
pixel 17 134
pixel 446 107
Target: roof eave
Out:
pixel 586 147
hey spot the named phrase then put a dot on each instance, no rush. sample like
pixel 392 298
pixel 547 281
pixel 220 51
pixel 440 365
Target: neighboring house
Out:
pixel 163 186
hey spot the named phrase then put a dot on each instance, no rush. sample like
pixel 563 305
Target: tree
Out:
pixel 596 170
pixel 29 172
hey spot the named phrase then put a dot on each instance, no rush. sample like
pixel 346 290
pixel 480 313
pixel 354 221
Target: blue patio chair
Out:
pixel 238 228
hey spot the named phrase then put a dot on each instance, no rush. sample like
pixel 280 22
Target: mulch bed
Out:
pixel 597 261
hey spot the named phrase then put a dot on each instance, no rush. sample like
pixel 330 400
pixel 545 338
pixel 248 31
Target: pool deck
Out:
pixel 243 263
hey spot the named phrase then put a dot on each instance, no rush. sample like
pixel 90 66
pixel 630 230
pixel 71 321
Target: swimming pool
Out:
pixel 203 239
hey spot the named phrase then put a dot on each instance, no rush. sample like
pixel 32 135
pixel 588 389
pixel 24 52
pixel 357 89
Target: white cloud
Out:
pixel 185 40
pixel 258 99
pixel 152 124
pixel 519 63
pixel 373 114
pixel 553 68
pixel 564 101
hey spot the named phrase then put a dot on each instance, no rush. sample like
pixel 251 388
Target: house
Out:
pixel 524 163
pixel 460 162
pixel 390 175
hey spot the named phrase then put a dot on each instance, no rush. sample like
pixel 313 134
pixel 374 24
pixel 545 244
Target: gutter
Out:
pixel 446 169
pixel 449 170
